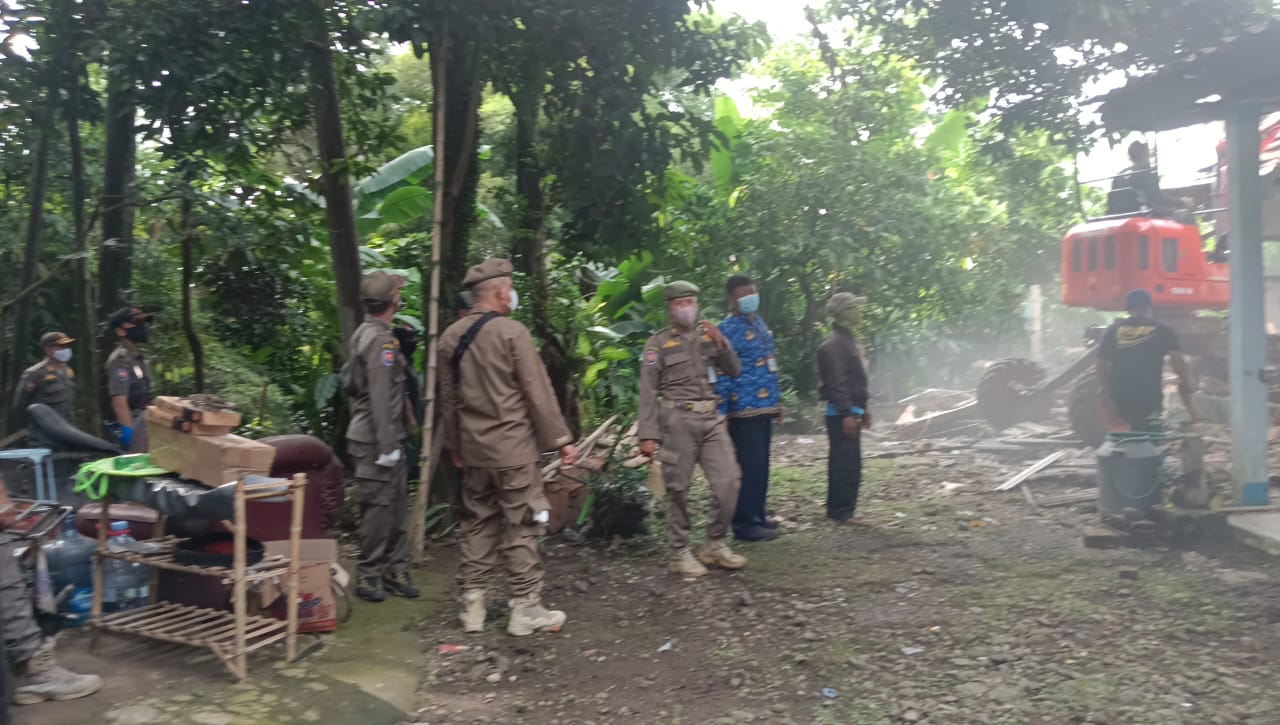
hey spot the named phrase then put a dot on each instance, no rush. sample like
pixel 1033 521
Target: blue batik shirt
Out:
pixel 755 391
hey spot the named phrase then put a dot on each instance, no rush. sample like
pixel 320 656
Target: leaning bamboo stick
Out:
pixel 99 567
pixel 295 552
pixel 418 529
pixel 240 554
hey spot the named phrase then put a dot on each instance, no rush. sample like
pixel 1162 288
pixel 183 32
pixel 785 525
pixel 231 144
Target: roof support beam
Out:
pixel 1250 420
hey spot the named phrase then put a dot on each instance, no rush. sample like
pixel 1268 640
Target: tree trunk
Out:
pixel 344 244
pixel 115 268
pixel 89 404
pixel 530 240
pixel 22 342
pixel 188 283
pixel 464 90
pixel 417 530
pixel 529 237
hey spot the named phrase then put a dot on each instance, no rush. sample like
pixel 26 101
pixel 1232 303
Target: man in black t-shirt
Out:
pixel 1131 367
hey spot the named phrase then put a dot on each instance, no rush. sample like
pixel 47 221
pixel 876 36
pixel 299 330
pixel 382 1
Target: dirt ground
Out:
pixel 955 606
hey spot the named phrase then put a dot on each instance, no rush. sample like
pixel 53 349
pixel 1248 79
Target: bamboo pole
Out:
pixel 418 531
pixel 238 654
pixel 99 571
pixel 298 493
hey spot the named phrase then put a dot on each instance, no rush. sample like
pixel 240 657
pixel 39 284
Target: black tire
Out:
pixel 1006 393
pixel 1084 410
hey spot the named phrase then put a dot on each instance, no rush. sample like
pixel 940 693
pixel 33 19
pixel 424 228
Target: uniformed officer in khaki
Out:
pixel 49 382
pixel 498 413
pixel 679 411
pixel 375 436
pixel 129 376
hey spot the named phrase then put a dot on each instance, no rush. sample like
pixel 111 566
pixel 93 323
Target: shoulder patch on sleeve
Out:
pixel 651 357
pixel 122 374
pixel 388 358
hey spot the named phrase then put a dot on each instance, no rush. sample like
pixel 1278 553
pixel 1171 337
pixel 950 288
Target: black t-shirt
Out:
pixel 1136 348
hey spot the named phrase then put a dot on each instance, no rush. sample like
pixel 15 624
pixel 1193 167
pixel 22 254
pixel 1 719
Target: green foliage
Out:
pixel 1033 61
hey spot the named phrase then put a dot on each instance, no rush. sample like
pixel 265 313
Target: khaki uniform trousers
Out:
pixel 499 505
pixel 384 511
pixel 689 437
pixel 22 636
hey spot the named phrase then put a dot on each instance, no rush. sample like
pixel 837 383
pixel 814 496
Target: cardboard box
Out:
pixel 211 460
pixel 317 605
pixel 184 409
pixel 158 417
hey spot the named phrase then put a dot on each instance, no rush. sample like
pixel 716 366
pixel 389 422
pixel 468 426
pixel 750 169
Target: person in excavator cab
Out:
pixel 1137 190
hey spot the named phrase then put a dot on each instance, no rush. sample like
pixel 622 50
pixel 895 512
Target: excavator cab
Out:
pixel 1102 260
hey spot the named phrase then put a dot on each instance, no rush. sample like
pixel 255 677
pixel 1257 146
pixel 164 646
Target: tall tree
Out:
pixel 1032 61
pixel 335 179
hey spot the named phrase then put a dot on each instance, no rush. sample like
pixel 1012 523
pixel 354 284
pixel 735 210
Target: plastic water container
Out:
pixel 1129 473
pixel 70 558
pixel 125 585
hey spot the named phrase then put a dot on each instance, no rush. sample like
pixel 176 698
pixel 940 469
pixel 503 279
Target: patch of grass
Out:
pixel 727 655
pixel 852 712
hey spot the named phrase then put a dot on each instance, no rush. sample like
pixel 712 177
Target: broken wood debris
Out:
pixel 1031 470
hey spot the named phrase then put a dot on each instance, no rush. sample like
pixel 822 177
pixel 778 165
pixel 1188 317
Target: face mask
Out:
pixel 514 300
pixel 848 318
pixel 685 316
pixel 749 304
pixel 137 333
pixel 63 355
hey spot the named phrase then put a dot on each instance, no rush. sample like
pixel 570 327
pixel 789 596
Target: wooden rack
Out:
pixel 231 636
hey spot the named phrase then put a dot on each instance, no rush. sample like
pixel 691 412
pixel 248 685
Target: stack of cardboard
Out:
pixel 197 443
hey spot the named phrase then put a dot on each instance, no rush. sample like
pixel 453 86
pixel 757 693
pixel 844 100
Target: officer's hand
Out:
pixel 126 435
pixel 568 455
pixel 387 460
pixel 710 330
pixel 648 448
pixel 851 426
pixel 456 455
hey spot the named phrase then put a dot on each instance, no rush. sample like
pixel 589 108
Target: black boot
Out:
pixel 400 585
pixel 370 590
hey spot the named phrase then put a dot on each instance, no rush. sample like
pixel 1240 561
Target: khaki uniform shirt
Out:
pixel 503 412
pixel 378 373
pixel 129 374
pixel 43 384
pixel 680 367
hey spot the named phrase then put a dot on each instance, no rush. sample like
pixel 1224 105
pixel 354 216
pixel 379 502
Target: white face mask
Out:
pixel 685 316
pixel 63 355
pixel 514 300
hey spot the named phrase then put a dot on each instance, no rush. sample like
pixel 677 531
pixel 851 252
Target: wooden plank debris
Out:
pixel 1031 470
pixel 1067 499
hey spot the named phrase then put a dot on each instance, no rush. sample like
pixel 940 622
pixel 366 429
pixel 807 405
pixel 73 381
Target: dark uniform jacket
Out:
pixel 129 374
pixel 378 373
pixel 499 410
pixel 42 383
pixel 680 367
pixel 842 378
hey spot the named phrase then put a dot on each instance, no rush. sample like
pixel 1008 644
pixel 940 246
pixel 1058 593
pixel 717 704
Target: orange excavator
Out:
pixel 1104 258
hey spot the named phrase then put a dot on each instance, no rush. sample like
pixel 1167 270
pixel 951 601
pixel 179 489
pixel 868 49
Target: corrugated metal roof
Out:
pixel 1241 71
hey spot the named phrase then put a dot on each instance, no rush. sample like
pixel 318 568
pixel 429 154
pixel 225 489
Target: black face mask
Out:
pixel 138 333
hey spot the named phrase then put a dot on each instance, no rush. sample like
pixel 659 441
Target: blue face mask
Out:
pixel 749 304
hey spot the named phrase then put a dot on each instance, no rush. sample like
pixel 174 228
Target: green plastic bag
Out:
pixel 94 477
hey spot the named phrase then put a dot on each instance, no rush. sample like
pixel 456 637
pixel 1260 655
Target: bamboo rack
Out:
pixel 231 636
